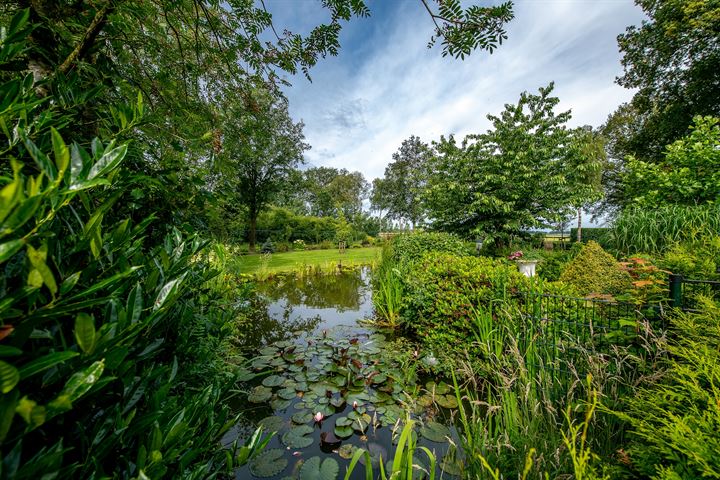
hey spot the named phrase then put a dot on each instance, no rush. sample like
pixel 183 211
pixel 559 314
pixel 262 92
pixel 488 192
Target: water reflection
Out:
pixel 312 303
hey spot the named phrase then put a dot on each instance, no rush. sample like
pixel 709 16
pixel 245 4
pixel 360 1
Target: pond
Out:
pixel 328 384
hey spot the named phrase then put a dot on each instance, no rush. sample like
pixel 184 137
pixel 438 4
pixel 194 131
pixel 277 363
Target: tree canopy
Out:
pixel 398 192
pixel 529 170
pixel 672 59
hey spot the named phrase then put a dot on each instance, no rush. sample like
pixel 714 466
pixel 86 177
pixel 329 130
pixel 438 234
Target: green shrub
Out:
pixel 443 290
pixel 103 331
pixel 406 248
pixel 695 260
pixel 675 422
pixel 326 245
pixel 593 270
pixel 553 263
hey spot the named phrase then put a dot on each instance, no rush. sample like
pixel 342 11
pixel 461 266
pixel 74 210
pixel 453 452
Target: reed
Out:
pixel 654 231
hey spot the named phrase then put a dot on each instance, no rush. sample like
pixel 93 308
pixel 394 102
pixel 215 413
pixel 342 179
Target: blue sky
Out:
pixel 386 85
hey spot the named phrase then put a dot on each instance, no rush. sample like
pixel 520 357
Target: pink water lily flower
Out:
pixel 319 417
pixel 355 405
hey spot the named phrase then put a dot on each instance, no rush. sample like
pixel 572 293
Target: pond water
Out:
pixel 313 356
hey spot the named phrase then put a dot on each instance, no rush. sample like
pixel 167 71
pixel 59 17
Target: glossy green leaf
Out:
pixel 9 377
pixel 43 363
pixel 62 154
pixel 85 334
pixel 298 437
pixel 8 249
pixel 108 162
pixel 41 160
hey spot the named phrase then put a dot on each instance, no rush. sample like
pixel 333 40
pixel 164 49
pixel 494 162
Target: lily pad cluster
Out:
pixel 343 387
pixel 327 375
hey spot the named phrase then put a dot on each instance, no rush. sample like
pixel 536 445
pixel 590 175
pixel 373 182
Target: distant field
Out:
pixel 289 261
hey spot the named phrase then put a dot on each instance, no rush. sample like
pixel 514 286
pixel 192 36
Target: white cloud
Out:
pixel 386 85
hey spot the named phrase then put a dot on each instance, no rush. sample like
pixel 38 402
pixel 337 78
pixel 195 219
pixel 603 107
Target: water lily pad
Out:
pixel 245 375
pixel 259 394
pixel 280 403
pixel 287 393
pixel 343 432
pixel 302 417
pixel 337 402
pixel 272 424
pixel 451 465
pixel 447 401
pixel 268 351
pixel 298 437
pixel 318 469
pixel 268 463
pixel 435 432
pixel 273 381
pixel 261 362
pixel 346 451
pixel 343 422
pixel 438 388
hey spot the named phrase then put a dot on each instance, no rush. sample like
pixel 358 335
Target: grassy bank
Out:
pixel 288 261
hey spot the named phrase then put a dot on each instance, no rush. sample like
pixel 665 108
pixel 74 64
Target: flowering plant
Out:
pixel 515 255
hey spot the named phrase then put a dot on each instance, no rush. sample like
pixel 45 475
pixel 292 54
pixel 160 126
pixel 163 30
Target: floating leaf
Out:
pixel 450 465
pixel 272 423
pixel 343 422
pixel 318 469
pixel 346 451
pixel 287 393
pixel 279 403
pixel 259 394
pixel 268 463
pixel 273 381
pixel 343 432
pixel 302 417
pixel 297 437
pixel 435 432
pixel 446 401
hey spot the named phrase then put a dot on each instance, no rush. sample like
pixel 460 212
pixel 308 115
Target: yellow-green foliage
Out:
pixel 594 270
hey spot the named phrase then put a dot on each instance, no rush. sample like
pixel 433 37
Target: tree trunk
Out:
pixel 579 227
pixel 252 235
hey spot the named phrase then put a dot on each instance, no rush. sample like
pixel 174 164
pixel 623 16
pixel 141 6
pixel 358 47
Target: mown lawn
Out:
pixel 289 261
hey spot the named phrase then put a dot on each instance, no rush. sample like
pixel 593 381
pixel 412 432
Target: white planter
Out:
pixel 527 267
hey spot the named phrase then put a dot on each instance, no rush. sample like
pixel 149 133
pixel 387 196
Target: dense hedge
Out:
pixel 443 290
pixel 407 248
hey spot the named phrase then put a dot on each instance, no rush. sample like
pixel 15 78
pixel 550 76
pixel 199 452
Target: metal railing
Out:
pixel 684 292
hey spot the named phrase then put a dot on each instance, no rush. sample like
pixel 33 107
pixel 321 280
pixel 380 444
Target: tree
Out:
pixel 261 146
pixel 689 173
pixel 586 177
pixel 673 60
pixel 520 174
pixel 398 192
pixel 327 191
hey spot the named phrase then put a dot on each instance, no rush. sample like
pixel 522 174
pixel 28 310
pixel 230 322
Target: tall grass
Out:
pixel 387 296
pixel 404 465
pixel 654 231
pixel 527 408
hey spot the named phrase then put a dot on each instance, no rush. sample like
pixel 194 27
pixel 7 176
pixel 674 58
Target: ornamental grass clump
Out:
pixel 594 270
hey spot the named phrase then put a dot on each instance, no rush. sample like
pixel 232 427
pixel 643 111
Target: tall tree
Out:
pixel 673 60
pixel 261 147
pixel 399 191
pixel 330 191
pixel 520 174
